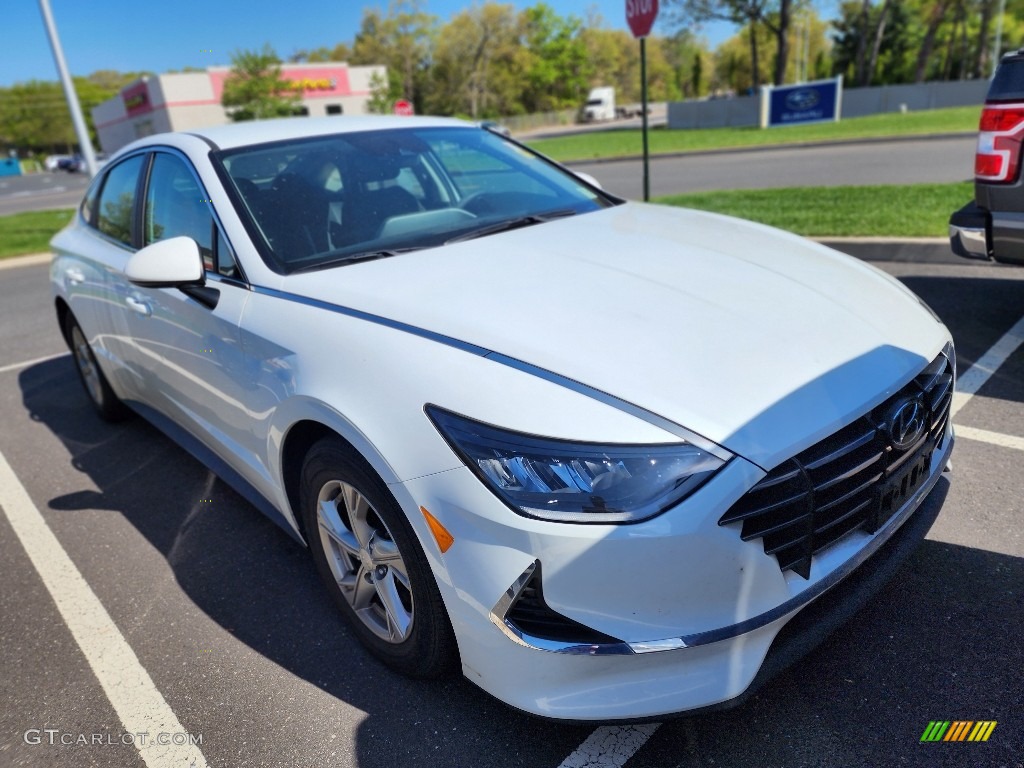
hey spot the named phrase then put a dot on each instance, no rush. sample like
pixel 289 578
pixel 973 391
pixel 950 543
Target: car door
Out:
pixel 188 347
pixel 93 270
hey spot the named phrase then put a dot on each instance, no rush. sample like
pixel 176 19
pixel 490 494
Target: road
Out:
pixel 888 162
pixel 41 191
pixel 224 613
pixel 882 162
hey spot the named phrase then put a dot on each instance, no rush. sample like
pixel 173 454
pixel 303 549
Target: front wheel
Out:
pixel 368 556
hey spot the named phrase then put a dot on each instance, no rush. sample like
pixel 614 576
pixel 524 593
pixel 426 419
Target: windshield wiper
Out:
pixel 509 224
pixel 352 258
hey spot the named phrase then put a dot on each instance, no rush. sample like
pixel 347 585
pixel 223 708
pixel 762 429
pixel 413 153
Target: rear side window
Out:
pixel 1008 84
pixel 117 200
pixel 89 203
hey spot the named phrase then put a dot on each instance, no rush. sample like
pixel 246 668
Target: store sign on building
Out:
pixel 136 99
pixel 318 83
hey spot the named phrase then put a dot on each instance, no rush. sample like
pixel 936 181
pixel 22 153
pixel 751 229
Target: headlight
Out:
pixel 574 482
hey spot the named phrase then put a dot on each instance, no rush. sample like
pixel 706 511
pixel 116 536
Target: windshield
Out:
pixel 329 200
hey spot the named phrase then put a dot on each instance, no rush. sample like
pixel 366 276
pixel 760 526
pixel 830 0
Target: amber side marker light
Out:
pixel 441 536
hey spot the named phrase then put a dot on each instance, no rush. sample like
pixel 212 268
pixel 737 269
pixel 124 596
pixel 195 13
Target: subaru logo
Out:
pixel 906 423
pixel 805 98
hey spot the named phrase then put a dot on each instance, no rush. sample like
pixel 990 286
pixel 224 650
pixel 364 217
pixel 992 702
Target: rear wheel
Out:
pixel 107 404
pixel 368 556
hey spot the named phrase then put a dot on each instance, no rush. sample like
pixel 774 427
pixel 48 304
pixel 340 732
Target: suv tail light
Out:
pixel 999 143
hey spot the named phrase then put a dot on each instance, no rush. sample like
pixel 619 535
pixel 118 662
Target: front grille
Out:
pixel 855 479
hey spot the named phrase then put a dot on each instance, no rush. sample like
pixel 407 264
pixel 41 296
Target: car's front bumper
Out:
pixel 691 610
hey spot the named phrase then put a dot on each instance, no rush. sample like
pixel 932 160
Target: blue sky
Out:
pixel 129 35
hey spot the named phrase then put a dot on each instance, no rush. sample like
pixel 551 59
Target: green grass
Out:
pixel 22 233
pixel 616 143
pixel 915 210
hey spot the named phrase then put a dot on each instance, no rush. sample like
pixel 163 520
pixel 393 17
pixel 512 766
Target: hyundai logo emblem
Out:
pixel 906 423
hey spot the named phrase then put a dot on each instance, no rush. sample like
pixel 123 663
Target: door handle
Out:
pixel 74 275
pixel 138 305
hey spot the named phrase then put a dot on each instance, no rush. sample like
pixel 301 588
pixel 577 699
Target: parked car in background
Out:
pixel 597 454
pixel 71 163
pixel 52 162
pixel 992 225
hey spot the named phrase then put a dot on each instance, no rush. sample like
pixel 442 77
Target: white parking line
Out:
pixel 126 683
pixel 975 377
pixel 994 438
pixel 610 746
pixel 27 363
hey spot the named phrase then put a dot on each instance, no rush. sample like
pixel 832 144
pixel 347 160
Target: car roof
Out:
pixel 263 131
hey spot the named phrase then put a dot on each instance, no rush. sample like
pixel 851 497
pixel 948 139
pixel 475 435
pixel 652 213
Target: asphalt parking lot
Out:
pixel 225 615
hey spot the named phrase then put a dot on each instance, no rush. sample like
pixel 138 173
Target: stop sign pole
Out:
pixel 640 15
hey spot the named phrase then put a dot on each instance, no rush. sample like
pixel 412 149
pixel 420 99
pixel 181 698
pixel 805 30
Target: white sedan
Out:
pixel 596 454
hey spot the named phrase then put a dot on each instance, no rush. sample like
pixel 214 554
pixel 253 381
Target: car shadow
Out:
pixel 978 311
pixel 941 641
pixel 259 584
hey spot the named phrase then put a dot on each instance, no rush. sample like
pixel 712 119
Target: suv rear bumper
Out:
pixel 968 232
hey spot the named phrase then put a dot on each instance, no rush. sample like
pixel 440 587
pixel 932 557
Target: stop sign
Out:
pixel 403 108
pixel 640 15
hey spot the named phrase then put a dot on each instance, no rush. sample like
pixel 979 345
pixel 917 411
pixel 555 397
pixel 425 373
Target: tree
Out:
pixel 613 61
pixel 340 52
pixel 34 116
pixel 558 69
pixel 401 40
pixel 774 15
pixel 936 15
pixel 689 58
pixel 380 102
pixel 479 65
pixel 890 37
pixel 255 89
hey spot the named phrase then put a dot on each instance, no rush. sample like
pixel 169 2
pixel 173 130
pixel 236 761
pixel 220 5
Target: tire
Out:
pixel 372 564
pixel 107 404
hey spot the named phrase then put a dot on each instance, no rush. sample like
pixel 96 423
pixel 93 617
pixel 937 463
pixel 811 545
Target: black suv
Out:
pixel 992 225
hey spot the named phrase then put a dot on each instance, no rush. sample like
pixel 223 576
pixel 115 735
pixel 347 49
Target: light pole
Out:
pixel 999 36
pixel 69 90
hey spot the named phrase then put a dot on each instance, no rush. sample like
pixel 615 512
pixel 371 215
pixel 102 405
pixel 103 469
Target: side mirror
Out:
pixel 170 263
pixel 589 179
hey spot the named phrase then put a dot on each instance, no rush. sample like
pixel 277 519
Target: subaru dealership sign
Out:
pixel 813 102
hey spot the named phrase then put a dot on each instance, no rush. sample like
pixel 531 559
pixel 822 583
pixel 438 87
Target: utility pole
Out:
pixel 999 37
pixel 69 90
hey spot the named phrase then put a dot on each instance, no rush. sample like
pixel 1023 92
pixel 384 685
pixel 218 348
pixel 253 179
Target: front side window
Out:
pixel 117 200
pixel 318 202
pixel 176 206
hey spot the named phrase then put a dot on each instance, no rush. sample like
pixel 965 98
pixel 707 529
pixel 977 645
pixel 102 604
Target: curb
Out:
pixel 25 261
pixel 913 250
pixel 773 147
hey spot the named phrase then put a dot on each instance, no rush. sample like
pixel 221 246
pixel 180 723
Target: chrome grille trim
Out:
pixel 855 479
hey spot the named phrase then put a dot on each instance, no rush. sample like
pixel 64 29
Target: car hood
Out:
pixel 756 339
